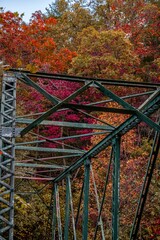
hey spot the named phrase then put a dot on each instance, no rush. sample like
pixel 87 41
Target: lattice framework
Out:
pixel 81 157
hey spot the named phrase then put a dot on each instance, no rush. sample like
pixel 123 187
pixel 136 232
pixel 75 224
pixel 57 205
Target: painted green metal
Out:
pixel 68 124
pixel 103 195
pixel 111 138
pixel 67 210
pixel 53 109
pixel 99 109
pixel 86 199
pixel 32 165
pixel 41 149
pixel 72 210
pixel 115 188
pixel 7 157
pixel 85 79
pixel 145 187
pixel 123 97
pixel 54 216
pixel 150 106
pixel 54 99
pixel 126 105
pixel 29 82
pixel 100 222
pixel 63 138
pixel 79 204
pixel 60 236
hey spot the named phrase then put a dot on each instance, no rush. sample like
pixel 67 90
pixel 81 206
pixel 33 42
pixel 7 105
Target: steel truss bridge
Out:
pixel 69 158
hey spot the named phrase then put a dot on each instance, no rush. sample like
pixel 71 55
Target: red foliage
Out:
pixel 30 45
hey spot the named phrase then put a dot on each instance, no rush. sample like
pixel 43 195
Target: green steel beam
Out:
pixel 67 210
pixel 7 159
pixel 53 109
pixel 100 222
pixel 60 237
pixel 52 98
pixel 72 210
pixel 84 79
pixel 51 158
pixel 86 199
pixel 66 124
pixel 63 138
pixel 123 97
pixel 115 188
pixel 32 165
pixel 42 149
pixel 145 187
pixel 79 205
pixel 99 109
pixel 103 194
pixel 31 83
pixel 150 106
pixel 126 105
pixel 54 213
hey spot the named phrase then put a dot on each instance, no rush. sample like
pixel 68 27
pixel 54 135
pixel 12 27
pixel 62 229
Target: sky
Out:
pixel 27 7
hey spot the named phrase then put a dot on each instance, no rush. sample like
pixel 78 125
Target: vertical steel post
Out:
pixel 145 187
pixel 67 210
pixel 115 188
pixel 86 199
pixel 72 211
pixel 79 205
pixel 104 193
pixel 58 213
pixel 7 157
pixel 54 215
pixel 100 222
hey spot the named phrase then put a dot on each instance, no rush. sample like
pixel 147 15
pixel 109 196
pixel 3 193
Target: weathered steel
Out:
pixel 54 109
pixel 32 165
pixel 126 105
pixel 100 222
pixel 41 149
pixel 36 160
pixel 84 79
pixel 7 132
pixel 145 187
pixel 67 124
pixel 115 188
pixel 67 210
pixel 86 199
pixel 7 157
pixel 150 106
pixel 103 195
pixel 123 97
pixel 72 210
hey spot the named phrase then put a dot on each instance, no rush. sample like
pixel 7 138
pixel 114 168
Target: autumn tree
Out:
pixel 106 54
pixel 139 20
pixel 135 151
pixel 71 19
pixel 29 46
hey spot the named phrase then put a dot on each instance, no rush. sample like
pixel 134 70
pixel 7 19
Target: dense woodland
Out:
pixel 112 39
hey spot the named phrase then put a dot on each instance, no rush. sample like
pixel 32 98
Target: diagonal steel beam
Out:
pixel 54 100
pixel 126 105
pixel 99 109
pixel 28 81
pixel 150 106
pixel 54 109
